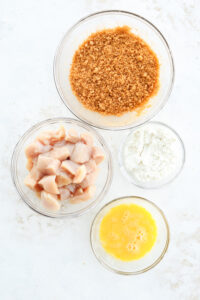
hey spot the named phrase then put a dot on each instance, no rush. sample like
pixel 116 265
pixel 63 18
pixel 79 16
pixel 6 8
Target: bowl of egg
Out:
pixel 114 70
pixel 61 167
pixel 129 235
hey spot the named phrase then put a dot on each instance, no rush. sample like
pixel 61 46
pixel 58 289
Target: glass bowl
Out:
pixel 154 184
pixel 99 21
pixel 19 171
pixel 143 264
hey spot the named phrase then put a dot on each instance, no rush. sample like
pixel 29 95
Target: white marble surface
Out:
pixel 42 258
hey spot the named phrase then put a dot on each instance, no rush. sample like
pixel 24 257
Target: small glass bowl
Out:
pixel 156 184
pixel 19 171
pixel 111 19
pixel 147 262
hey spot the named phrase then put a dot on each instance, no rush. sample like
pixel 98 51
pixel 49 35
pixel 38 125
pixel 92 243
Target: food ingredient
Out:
pixel 63 167
pixel 114 72
pixel 128 232
pixel 152 153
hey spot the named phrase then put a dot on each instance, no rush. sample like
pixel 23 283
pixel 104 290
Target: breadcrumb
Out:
pixel 114 72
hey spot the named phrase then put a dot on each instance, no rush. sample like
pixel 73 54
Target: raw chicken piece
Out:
pixel 47 165
pixel 70 147
pixel 49 184
pixel 72 187
pixel 78 191
pixel 60 153
pixel 38 189
pixel 87 139
pixel 60 144
pixel 35 149
pixel 89 179
pixel 58 135
pixel 97 155
pixel 30 182
pixel 63 178
pixel 35 159
pixel 81 153
pixel 35 173
pixel 90 166
pixel 86 195
pixel 70 166
pixel 50 201
pixel 44 137
pixel 29 164
pixel 64 194
pixel 72 136
pixel 80 174
pixel 52 137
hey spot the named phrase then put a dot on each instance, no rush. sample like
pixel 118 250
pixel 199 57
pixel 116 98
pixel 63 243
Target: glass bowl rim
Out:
pixel 141 185
pixel 17 149
pixel 163 40
pixel 156 261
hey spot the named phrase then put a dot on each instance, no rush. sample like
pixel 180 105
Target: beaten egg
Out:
pixel 128 232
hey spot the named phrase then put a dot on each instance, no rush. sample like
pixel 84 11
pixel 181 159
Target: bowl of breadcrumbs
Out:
pixel 114 70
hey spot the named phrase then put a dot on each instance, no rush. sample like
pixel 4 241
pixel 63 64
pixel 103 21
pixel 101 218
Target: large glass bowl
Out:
pixel 19 171
pixel 151 259
pixel 110 19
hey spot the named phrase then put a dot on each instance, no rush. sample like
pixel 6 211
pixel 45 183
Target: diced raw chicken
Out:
pixel 72 136
pixel 46 148
pixel 70 147
pixel 97 155
pixel 87 139
pixel 30 182
pixel 48 165
pixel 60 153
pixel 86 195
pixel 63 178
pixel 35 173
pixel 89 179
pixel 90 166
pixel 35 149
pixel 70 166
pixel 64 194
pixel 62 168
pixel 58 135
pixel 38 189
pixel 60 144
pixel 50 201
pixel 78 191
pixel 35 159
pixel 44 137
pixel 81 153
pixel 72 187
pixel 49 184
pixel 80 174
pixel 29 164
pixel 52 137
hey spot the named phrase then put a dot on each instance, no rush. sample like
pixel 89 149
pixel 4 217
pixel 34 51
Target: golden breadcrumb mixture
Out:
pixel 114 72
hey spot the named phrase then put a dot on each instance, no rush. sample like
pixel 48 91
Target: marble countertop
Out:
pixel 43 258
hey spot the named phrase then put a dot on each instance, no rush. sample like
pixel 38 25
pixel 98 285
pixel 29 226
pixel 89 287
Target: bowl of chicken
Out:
pixel 61 167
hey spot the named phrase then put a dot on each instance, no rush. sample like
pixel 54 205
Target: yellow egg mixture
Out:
pixel 128 232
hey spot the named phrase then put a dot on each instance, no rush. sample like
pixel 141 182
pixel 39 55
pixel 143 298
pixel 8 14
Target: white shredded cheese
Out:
pixel 152 153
